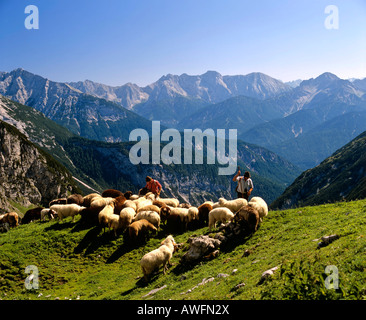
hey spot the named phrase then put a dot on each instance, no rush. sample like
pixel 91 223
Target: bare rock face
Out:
pixel 200 247
pixel 28 176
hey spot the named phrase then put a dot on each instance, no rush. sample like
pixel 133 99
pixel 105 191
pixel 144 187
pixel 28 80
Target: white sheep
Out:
pixel 233 205
pixel 130 204
pixel 170 202
pixel 114 222
pixel 192 213
pixel 150 207
pixel 105 215
pixel 88 198
pixel 216 205
pixel 99 202
pixel 259 204
pixel 66 210
pixel 47 212
pixel 221 214
pixel 151 216
pixel 142 202
pixel 127 215
pixel 161 256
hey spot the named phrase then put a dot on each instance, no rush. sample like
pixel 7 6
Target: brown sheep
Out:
pixel 203 211
pixel 57 201
pixel 75 198
pixel 128 194
pixel 164 213
pixel 159 204
pixel 139 230
pixel 174 222
pixel 89 216
pixel 112 193
pixel 11 218
pixel 250 215
pixel 32 214
pixel 119 204
pixel 89 198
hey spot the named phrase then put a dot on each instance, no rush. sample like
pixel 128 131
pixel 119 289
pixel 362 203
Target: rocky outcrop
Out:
pixel 28 175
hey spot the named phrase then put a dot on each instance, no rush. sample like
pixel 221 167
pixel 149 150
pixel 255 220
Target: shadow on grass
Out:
pixel 92 241
pixel 61 225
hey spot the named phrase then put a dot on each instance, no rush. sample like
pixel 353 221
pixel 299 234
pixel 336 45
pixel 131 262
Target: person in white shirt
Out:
pixel 245 185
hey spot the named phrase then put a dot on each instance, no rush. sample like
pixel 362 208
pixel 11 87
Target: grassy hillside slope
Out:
pixel 83 263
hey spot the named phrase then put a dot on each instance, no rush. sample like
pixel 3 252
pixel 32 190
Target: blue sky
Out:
pixel 120 41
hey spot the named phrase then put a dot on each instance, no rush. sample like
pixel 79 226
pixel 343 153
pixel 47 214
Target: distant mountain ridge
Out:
pixel 342 176
pixel 265 111
pixel 81 113
pixel 210 87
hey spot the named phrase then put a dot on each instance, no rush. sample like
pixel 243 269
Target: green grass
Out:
pixel 78 263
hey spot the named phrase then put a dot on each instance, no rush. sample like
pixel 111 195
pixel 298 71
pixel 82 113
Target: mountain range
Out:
pixel 98 165
pixel 339 177
pixel 283 117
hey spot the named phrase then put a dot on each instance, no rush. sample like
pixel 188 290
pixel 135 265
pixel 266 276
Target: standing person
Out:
pixel 245 185
pixel 153 186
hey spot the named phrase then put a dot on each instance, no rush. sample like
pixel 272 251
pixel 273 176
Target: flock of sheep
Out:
pixel 138 215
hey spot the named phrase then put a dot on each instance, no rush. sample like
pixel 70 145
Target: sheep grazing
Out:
pixel 32 215
pixel 130 204
pixel 173 221
pixel 150 207
pixel 89 198
pixel 170 214
pixel 75 198
pixel 203 211
pixel 49 213
pixel 112 193
pixel 222 214
pixel 184 205
pixel 142 202
pixel 128 194
pixel 233 205
pixel 89 216
pixel 139 230
pixel 57 201
pixel 11 218
pixel 99 202
pixel 250 215
pixel 259 204
pixel 158 257
pixel 114 222
pixel 193 217
pixel 66 210
pixel 127 215
pixel 119 204
pixel 150 196
pixel 105 215
pixel 170 202
pixel 151 216
pixel 211 203
pixel 159 204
